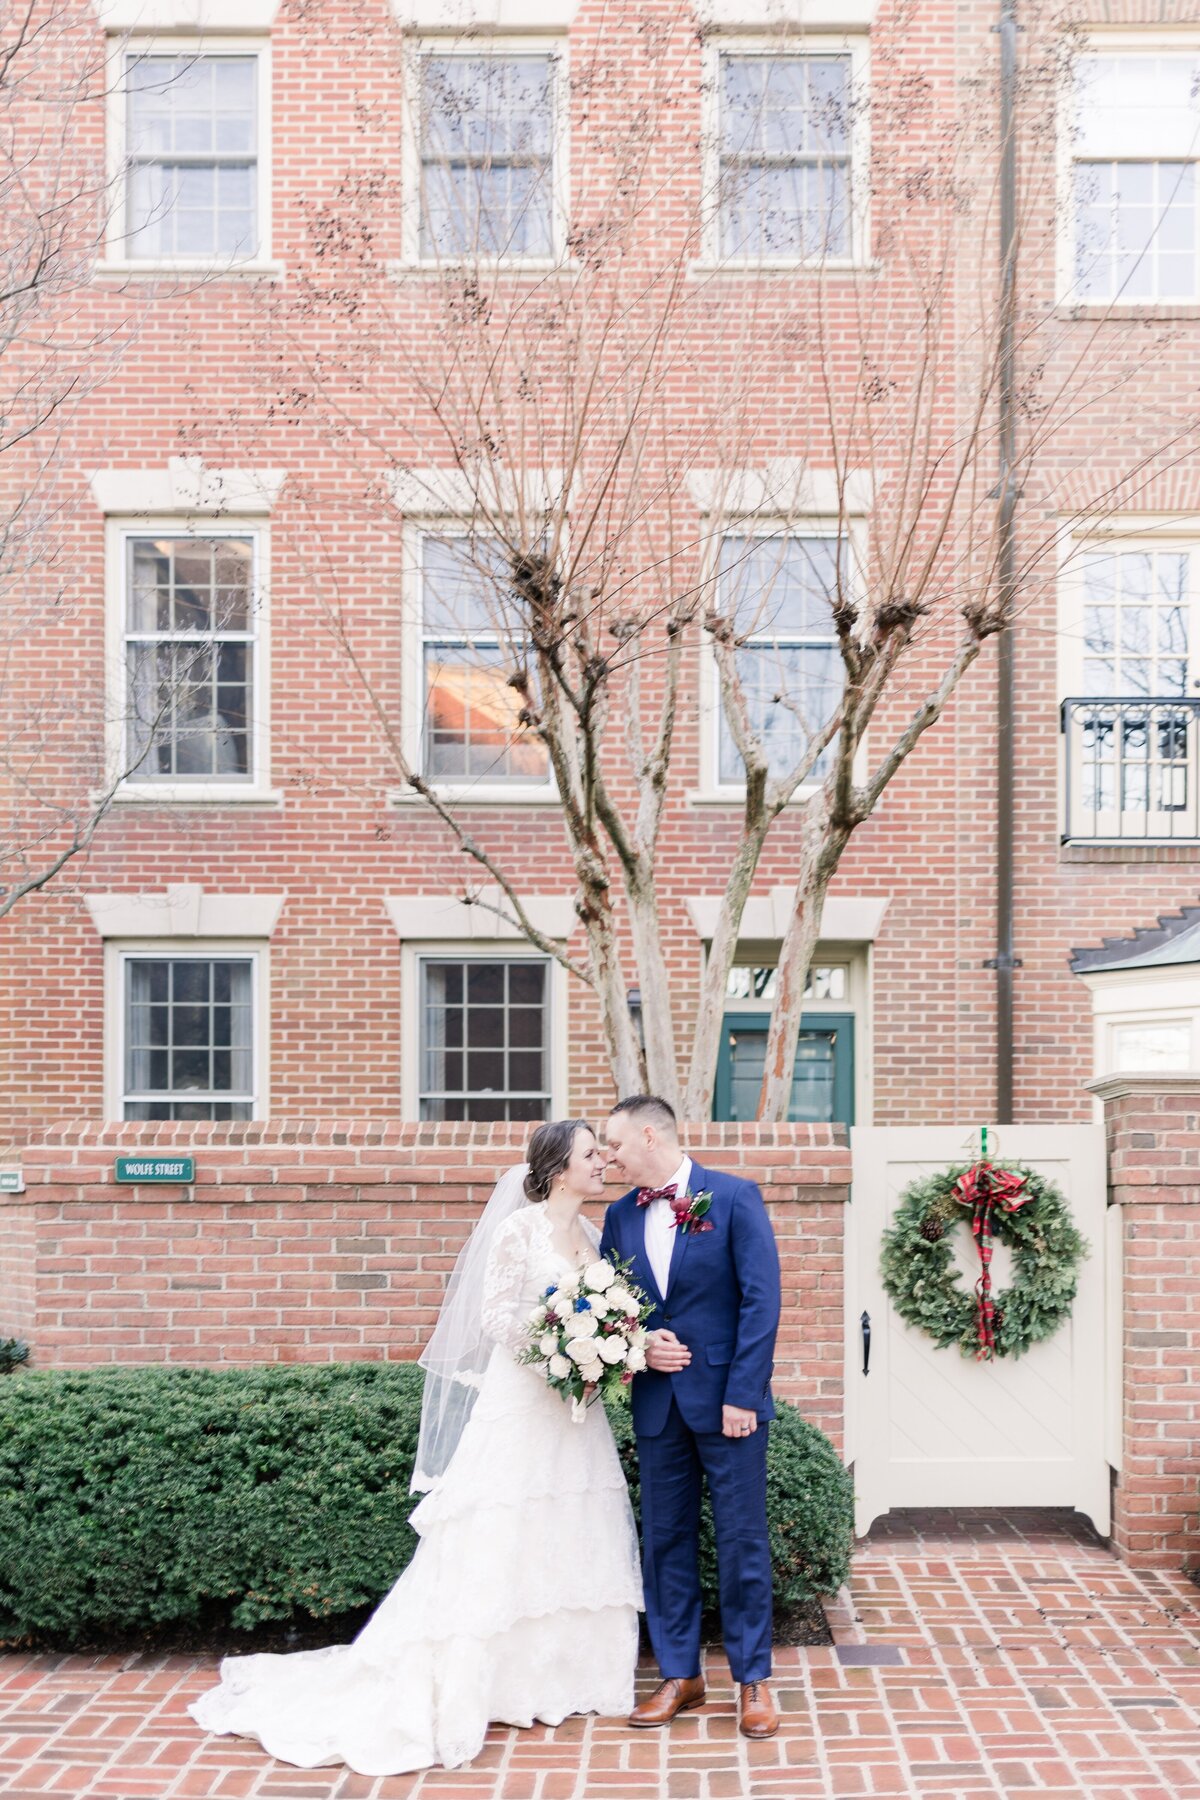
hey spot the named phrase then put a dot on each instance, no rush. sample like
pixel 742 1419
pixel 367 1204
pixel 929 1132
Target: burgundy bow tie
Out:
pixel 646 1196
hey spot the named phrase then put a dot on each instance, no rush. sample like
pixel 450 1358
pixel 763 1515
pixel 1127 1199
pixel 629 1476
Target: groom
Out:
pixel 703 1250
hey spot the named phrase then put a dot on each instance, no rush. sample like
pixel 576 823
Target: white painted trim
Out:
pixel 496 41
pixel 178 42
pixel 452 499
pixel 118 952
pixel 187 487
pixel 416 918
pixel 1117 1087
pixel 257 786
pixel 183 910
pixel 765 918
pixel 780 37
pixel 410 1016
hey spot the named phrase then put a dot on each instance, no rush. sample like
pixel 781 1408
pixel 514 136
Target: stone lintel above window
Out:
pixel 187 16
pixel 457 17
pixel 786 488
pixel 184 910
pixel 437 918
pixel 765 919
pixel 786 15
pixel 186 487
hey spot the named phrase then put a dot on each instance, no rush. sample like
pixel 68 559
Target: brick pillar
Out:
pixel 1153 1127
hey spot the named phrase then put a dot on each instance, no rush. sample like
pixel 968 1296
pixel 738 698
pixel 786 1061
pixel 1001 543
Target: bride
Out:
pixel 521 1599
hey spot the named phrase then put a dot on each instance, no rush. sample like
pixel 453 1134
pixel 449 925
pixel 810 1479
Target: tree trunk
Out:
pixel 658 1023
pixel 710 1020
pixel 817 865
pixel 624 1051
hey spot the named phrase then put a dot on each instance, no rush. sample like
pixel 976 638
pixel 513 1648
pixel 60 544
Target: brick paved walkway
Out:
pixel 973 1661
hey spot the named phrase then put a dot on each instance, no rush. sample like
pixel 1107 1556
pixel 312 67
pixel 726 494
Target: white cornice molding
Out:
pixel 1115 1087
pixel 191 16
pixel 188 486
pixel 786 15
pixel 184 910
pixel 430 493
pixel 470 18
pixel 436 917
pixel 765 918
pixel 786 488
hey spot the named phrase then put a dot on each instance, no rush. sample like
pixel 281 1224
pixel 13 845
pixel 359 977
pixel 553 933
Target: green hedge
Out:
pixel 132 1498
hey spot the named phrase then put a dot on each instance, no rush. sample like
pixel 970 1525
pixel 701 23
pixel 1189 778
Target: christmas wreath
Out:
pixel 1016 1206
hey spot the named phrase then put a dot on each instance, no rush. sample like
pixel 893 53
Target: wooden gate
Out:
pixel 930 1427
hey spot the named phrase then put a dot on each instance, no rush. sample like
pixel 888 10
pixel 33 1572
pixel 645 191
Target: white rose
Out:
pixel 622 1301
pixel 559 1366
pixel 599 1276
pixel 548 1343
pixel 612 1349
pixel 636 1360
pixel 554 1303
pixel 538 1316
pixel 601 1305
pixel 581 1325
pixel 582 1351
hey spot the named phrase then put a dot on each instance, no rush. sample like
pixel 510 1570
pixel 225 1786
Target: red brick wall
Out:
pixel 1154 1176
pixel 310 1242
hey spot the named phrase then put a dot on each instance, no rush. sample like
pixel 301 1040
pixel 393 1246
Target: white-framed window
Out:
pixel 1129 167
pixel 190 129
pixel 188 678
pixel 485 1033
pixel 464 639
pixel 1130 612
pixel 486 151
pixel 832 1078
pixel 187 1030
pixel 778 587
pixel 786 151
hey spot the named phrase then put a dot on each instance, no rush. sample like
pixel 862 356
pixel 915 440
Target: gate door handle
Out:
pixel 866 1337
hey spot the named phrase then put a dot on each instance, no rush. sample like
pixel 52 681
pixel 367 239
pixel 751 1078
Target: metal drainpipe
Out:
pixel 1004 961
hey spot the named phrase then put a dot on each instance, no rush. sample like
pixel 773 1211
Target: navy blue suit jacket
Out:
pixel 722 1301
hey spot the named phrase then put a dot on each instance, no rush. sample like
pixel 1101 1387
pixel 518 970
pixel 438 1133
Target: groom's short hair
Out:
pixel 651 1109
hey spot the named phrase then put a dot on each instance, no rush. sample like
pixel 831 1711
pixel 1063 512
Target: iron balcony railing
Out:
pixel 1131 770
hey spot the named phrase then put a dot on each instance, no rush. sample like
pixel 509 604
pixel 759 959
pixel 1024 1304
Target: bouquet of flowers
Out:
pixel 587 1335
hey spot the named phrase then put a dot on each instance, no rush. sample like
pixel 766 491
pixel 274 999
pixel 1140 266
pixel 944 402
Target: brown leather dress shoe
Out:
pixel 671 1698
pixel 757 1713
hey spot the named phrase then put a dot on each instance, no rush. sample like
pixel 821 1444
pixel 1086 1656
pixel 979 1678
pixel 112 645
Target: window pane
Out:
pixel 780 586
pixel 1136 623
pixel 191 139
pixel 487 127
pixel 502 1074
pixel 785 156
pixel 206 1052
pixel 1135 231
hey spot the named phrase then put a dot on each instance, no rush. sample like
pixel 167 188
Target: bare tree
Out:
pixel 631 438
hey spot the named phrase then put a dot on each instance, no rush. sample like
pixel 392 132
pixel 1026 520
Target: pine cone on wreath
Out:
pixel 932 1229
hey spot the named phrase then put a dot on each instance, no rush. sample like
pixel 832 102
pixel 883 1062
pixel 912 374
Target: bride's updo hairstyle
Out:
pixel 549 1153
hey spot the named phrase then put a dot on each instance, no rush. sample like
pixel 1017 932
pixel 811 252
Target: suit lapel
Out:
pixel 683 1238
pixel 641 1261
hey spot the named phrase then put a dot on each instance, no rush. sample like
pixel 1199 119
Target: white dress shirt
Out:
pixel 660 1228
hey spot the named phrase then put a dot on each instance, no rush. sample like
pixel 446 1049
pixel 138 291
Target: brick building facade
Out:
pixel 260 900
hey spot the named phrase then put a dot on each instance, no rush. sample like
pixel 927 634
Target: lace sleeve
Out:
pixel 503 1315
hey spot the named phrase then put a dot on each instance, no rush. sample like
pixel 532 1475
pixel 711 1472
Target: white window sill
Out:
pixel 478 796
pixel 1092 310
pixel 491 265
pixel 732 796
pixel 219 271
pixel 783 265
pixel 176 794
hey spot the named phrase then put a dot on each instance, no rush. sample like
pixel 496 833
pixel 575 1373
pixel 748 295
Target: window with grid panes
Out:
pixel 779 593
pixel 487 155
pixel 192 156
pixel 485 1038
pixel 1133 148
pixel 188 1051
pixel 189 658
pixel 785 156
pixel 472 641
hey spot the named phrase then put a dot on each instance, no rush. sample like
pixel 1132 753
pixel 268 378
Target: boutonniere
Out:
pixel 690 1211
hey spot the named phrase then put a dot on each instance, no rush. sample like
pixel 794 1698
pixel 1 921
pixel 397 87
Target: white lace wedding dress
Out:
pixel 520 1602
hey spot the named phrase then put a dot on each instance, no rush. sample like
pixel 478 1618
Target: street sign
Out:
pixel 11 1181
pixel 155 1168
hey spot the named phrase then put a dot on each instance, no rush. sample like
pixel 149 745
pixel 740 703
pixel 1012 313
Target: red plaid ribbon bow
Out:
pixel 645 1196
pixel 983 1189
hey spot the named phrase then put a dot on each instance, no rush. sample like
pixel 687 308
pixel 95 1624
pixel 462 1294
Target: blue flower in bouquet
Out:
pixel 582 1303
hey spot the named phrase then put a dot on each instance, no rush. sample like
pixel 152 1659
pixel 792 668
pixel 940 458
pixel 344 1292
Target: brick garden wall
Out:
pixel 311 1242
pixel 1154 1176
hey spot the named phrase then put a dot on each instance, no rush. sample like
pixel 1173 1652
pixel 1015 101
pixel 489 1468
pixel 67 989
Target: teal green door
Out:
pixel 823 1083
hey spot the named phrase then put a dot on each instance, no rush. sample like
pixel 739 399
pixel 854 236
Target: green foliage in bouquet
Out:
pixel 138 1498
